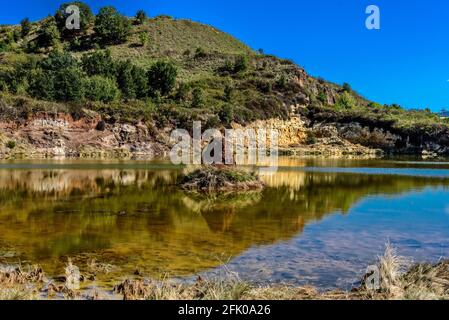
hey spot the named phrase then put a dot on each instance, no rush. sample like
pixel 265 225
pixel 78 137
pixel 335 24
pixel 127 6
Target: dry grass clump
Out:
pixel 399 281
pixel 16 275
pixel 98 267
pixel 230 289
pixel 427 282
pixel 17 283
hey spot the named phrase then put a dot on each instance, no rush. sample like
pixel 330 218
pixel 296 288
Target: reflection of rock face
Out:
pixel 135 217
pixel 63 182
pixel 293 180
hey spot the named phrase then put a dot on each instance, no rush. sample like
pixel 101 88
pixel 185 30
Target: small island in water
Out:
pixel 221 179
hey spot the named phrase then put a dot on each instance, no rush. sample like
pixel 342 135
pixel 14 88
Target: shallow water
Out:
pixel 319 222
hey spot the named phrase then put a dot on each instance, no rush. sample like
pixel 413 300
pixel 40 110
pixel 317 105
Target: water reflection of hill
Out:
pixel 137 218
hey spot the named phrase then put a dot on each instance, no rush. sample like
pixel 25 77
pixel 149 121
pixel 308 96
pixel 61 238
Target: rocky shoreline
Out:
pixel 61 136
pixel 397 281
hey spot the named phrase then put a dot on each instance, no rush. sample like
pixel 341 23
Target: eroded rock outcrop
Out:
pixel 61 135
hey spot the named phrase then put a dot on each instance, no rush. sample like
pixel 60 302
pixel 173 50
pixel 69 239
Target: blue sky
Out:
pixel 406 62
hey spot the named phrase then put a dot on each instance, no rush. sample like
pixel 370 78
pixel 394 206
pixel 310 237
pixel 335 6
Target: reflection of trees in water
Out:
pixel 139 217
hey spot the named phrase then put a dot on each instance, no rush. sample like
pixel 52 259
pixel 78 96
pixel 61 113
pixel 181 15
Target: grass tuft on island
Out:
pixel 221 179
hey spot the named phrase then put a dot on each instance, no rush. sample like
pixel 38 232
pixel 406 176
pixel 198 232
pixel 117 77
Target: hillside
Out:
pixel 87 92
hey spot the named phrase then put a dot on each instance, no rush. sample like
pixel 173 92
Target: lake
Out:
pixel 320 222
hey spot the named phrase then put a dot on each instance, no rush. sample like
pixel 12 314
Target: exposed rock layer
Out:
pixel 61 135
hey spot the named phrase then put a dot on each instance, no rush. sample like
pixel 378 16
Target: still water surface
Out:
pixel 319 222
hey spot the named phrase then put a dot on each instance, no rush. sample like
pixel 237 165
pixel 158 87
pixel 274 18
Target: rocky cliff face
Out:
pixel 60 135
pixel 381 134
pixel 297 137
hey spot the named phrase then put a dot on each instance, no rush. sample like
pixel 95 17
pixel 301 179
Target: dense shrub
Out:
pixel 241 64
pixel 57 60
pixel 281 82
pixel 11 144
pixel 10 80
pixel 125 79
pixel 197 98
pixel 162 77
pixel 322 96
pixel 182 92
pixel 140 17
pixel 200 53
pixel 228 67
pixel 99 63
pixel 69 84
pixel 25 25
pixel 42 85
pixel 111 27
pixel 346 101
pixel 98 88
pixel 48 35
pixel 347 87
pixel 226 114
pixel 86 19
pixel 132 80
pixel 228 93
pixel 143 38
pixel 140 80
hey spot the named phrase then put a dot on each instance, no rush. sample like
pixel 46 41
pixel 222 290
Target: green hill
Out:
pixel 216 79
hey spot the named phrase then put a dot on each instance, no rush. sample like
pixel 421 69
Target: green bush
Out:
pixel 374 105
pixel 48 35
pixel 281 82
pixel 140 17
pixel 241 64
pixel 347 87
pixel 58 60
pixel 86 19
pixel 226 114
pixel 140 80
pixel 4 47
pixel 125 79
pixel 212 122
pixel 197 98
pixel 69 85
pixel 228 67
pixel 99 63
pixel 322 97
pixel 98 88
pixel 9 80
pixel 42 85
pixel 200 53
pixel 182 92
pixel 11 144
pixel 25 25
pixel 228 93
pixel 346 100
pixel 143 38
pixel 111 27
pixel 162 77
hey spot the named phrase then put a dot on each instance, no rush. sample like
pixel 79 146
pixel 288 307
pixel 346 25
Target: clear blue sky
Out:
pixel 406 62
